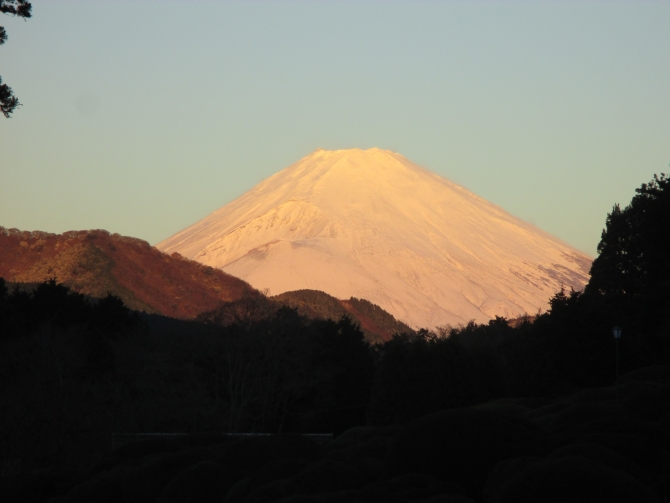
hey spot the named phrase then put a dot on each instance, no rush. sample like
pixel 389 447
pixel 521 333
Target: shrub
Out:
pixel 574 479
pixel 407 487
pixel 462 446
pixel 205 482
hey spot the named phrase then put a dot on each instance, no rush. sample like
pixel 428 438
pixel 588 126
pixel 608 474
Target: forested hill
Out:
pixel 96 262
pixel 375 322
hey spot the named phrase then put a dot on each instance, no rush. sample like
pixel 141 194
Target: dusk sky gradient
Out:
pixel 143 117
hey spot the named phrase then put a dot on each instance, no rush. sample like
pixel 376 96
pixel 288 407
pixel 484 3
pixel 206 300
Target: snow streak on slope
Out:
pixel 371 224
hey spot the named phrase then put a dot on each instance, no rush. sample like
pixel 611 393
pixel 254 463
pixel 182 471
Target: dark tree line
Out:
pixel 569 348
pixel 74 370
pixel 286 373
pixel 23 311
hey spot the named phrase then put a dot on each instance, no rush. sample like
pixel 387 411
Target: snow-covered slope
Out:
pixel 373 225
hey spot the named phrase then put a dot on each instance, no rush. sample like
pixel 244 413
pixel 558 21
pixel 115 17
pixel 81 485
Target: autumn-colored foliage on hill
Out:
pixel 96 262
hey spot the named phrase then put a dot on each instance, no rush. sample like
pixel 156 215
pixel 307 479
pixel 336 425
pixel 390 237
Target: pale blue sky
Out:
pixel 143 117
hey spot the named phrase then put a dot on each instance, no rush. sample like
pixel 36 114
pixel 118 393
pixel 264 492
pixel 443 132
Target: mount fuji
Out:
pixel 371 224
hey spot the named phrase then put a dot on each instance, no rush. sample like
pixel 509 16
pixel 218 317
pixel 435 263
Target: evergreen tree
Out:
pixel 21 8
pixel 633 265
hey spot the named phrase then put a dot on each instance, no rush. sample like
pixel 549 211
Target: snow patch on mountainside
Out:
pixel 371 224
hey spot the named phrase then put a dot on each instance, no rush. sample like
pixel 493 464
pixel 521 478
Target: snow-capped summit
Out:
pixel 373 225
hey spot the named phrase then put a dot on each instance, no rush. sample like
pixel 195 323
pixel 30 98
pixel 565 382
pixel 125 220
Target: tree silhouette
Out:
pixel 21 8
pixel 633 265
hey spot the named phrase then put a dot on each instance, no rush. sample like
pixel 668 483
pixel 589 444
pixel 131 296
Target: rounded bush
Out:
pixel 326 476
pixel 574 479
pixel 651 403
pixel 576 415
pixel 462 446
pixel 255 452
pixel 103 488
pixel 606 395
pixel 606 457
pixel 503 472
pixel 158 446
pixel 239 490
pixel 205 482
pixel 34 487
pixel 655 373
pixel 273 491
pixel 145 482
pixel 643 443
pixel 408 487
pixel 280 469
pixel 662 486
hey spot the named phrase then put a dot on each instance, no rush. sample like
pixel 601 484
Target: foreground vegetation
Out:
pixel 481 412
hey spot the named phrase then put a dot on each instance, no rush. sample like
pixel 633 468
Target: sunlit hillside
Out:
pixel 96 262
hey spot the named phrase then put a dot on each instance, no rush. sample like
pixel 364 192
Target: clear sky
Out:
pixel 143 117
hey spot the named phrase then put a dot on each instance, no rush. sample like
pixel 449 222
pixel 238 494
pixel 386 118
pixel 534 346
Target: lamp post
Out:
pixel 616 332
